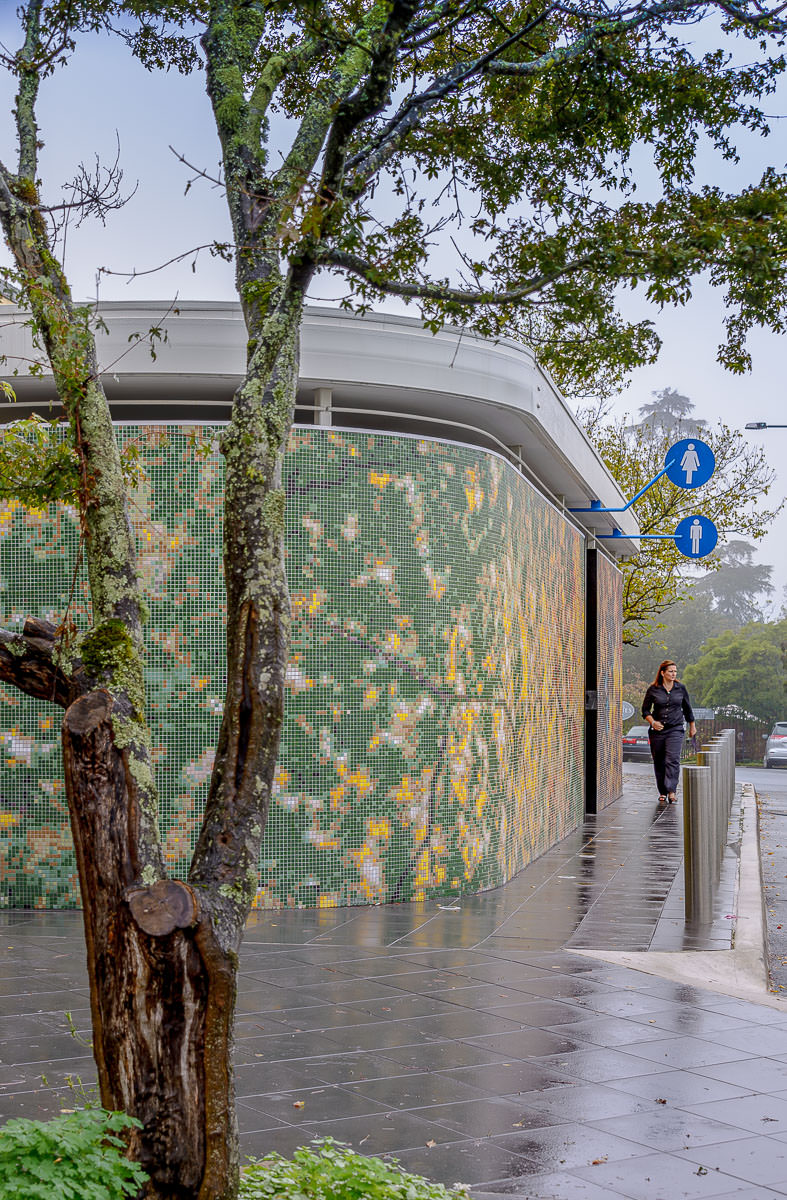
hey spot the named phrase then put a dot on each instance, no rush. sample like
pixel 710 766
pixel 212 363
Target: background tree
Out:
pixel 734 499
pixel 745 668
pixel 738 586
pixel 669 410
pixel 684 628
pixel 720 602
pixel 407 122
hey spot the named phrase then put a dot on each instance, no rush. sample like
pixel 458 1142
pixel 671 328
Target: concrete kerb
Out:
pixel 740 972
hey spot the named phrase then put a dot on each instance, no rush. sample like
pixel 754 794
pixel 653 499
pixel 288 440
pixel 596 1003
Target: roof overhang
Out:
pixel 379 370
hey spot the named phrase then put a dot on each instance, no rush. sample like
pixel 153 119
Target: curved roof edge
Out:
pixel 388 368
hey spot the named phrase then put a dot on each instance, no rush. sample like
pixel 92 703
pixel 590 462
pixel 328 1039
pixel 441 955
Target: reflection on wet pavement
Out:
pixel 472 1044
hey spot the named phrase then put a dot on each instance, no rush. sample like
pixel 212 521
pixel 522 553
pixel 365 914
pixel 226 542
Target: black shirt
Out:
pixel 668 707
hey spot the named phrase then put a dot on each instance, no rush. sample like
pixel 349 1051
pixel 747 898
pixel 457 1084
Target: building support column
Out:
pixel 591 681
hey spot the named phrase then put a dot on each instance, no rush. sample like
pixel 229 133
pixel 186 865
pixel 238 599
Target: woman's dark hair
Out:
pixel 667 663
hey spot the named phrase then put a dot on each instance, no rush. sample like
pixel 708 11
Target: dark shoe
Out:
pixel 673 799
pixel 662 799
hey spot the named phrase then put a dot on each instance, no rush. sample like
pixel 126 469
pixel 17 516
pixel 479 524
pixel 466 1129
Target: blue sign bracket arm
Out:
pixel 689 463
pixel 596 504
pixel 635 537
pixel 695 536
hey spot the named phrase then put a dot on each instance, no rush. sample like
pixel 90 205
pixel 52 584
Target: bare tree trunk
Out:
pixel 162 993
pixel 226 857
pixel 162 955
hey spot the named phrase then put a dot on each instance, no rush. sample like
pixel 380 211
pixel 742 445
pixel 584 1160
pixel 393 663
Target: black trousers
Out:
pixel 666 746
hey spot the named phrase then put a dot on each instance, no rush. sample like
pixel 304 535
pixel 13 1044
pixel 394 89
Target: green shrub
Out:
pixel 335 1172
pixel 77 1156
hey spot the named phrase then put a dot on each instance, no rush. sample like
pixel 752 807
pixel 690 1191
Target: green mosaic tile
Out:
pixel 433 741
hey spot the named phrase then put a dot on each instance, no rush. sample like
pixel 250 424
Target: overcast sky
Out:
pixel 105 96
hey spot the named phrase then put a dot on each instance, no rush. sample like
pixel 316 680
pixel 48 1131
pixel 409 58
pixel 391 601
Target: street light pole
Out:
pixel 763 425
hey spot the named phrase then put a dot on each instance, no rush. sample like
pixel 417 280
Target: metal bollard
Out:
pixel 711 755
pixel 717 744
pixel 726 783
pixel 716 827
pixel 727 747
pixel 726 743
pixel 698 824
pixel 731 743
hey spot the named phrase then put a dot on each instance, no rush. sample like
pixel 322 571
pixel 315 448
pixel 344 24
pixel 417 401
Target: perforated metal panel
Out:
pixel 609 634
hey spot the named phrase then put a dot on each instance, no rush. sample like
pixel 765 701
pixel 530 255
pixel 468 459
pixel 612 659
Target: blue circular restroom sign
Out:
pixel 690 463
pixel 696 536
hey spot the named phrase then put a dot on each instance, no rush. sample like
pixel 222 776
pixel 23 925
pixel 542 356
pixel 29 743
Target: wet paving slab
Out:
pixel 473 1045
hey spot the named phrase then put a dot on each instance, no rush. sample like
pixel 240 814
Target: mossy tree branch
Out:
pixel 29 74
pixel 36 662
pixel 462 297
pixel 115 641
pixel 370 96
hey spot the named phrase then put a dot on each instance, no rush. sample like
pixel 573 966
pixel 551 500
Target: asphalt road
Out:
pixel 771 788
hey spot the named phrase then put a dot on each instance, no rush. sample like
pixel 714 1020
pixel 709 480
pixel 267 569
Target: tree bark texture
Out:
pixel 161 955
pixel 31 662
pixel 258 625
pixel 162 993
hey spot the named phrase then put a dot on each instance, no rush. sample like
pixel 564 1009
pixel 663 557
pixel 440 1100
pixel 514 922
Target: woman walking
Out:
pixel 665 706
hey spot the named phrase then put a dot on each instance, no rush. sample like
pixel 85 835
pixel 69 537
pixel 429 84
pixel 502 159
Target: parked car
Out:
pixel 776 746
pixel 636 745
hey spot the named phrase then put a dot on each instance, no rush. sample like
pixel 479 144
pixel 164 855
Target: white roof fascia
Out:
pixel 379 362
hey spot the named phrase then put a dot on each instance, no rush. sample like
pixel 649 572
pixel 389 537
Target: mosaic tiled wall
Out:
pixel 433 741
pixel 609 622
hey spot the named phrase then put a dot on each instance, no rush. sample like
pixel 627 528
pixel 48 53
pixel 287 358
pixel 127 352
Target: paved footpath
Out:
pixel 489 1041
